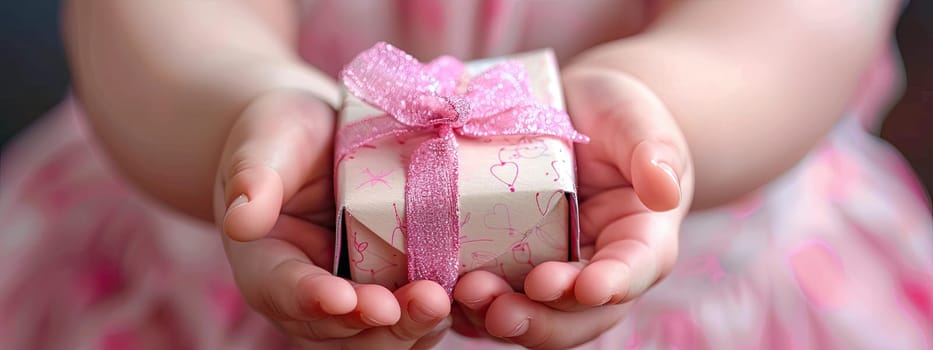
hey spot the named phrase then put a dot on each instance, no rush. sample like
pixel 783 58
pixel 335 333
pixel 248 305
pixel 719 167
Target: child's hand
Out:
pixel 275 178
pixel 636 185
pixel 205 105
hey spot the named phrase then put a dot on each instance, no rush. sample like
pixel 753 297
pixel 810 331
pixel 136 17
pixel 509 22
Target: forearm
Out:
pixel 162 82
pixel 753 84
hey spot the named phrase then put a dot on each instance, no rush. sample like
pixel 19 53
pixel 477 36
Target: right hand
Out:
pixel 636 186
pixel 275 179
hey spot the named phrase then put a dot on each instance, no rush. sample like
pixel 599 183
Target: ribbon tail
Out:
pixel 432 212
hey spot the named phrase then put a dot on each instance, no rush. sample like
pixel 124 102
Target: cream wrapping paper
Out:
pixel 518 202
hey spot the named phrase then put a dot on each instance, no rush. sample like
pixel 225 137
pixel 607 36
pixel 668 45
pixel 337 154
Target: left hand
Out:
pixel 276 179
pixel 636 186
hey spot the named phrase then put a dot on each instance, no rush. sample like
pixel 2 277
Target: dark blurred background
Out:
pixel 909 127
pixel 33 75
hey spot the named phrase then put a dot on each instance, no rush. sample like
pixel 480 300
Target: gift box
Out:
pixel 512 204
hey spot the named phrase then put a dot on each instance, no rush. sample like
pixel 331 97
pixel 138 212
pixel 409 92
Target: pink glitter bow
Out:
pixel 428 99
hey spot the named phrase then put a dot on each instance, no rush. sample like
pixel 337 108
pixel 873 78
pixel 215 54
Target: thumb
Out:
pixel 632 131
pixel 280 142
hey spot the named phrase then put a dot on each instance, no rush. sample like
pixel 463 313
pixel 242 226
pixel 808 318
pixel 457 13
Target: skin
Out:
pixel 638 99
pixel 230 126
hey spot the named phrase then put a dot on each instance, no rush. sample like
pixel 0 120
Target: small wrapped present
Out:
pixel 444 168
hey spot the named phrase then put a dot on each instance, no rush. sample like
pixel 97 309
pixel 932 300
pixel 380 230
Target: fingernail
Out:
pixel 555 296
pixel 420 314
pixel 667 169
pixel 475 304
pixel 237 202
pixel 519 329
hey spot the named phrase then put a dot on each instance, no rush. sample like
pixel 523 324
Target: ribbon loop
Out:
pixel 498 89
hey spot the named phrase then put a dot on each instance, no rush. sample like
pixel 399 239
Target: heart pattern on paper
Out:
pixel 480 258
pixel 521 253
pixel 506 173
pixel 544 203
pixel 533 149
pixel 499 218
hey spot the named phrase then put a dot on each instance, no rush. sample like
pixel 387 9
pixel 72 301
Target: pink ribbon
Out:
pixel 420 99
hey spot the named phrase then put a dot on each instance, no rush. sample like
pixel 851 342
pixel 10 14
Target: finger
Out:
pixel 475 291
pixel 266 159
pixel 523 321
pixel 433 338
pixel 425 313
pixel 384 338
pixel 552 283
pixel 632 253
pixel 653 177
pixel 279 281
pixel 643 140
pixel 376 307
pixel 424 305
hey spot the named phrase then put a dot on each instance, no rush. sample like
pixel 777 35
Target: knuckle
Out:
pixel 269 300
pixel 240 162
pixel 403 333
pixel 269 306
pixel 542 340
pixel 311 332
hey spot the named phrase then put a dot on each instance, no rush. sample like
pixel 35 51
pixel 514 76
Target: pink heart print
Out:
pixel 500 218
pixel 359 246
pixel 525 149
pixel 532 149
pixel 544 209
pixel 521 253
pixel 480 258
pixel 506 173
pixel 398 230
pixel 508 153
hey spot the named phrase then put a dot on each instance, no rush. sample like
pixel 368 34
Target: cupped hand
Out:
pixel 275 204
pixel 635 186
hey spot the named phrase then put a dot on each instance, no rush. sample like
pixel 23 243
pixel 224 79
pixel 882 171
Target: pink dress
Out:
pixel 835 254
